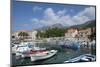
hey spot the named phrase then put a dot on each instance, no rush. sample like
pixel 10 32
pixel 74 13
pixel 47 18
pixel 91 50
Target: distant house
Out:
pixel 71 32
pixel 30 37
pixel 84 32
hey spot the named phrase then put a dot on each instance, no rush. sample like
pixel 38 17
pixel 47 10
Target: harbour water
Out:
pixel 62 55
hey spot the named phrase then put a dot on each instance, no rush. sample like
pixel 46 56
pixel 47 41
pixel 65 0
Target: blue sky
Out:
pixel 33 15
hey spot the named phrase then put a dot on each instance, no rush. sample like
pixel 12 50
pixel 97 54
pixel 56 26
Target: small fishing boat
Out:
pixel 42 55
pixel 35 53
pixel 24 49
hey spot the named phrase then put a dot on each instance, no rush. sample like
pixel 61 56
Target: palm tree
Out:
pixel 23 35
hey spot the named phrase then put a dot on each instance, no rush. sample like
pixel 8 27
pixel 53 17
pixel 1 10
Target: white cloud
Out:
pixel 83 16
pixel 36 8
pixel 35 20
pixel 89 12
pixel 50 17
pixel 62 12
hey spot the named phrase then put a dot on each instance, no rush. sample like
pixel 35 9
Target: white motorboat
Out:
pixel 34 52
pixel 82 58
pixel 42 55
pixel 24 49
pixel 88 57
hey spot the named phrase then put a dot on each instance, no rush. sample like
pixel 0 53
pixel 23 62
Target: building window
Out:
pixel 13 36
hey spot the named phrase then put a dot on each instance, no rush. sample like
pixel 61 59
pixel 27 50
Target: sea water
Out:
pixel 62 55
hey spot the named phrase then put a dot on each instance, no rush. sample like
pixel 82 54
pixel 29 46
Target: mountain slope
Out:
pixel 87 24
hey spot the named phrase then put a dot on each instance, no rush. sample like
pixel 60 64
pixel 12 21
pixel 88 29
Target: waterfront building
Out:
pixel 71 32
pixel 31 35
pixel 84 32
pixel 80 34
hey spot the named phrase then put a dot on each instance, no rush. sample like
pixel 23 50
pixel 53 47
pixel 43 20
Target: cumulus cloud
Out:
pixel 35 20
pixel 62 17
pixel 62 12
pixel 50 17
pixel 36 8
pixel 83 16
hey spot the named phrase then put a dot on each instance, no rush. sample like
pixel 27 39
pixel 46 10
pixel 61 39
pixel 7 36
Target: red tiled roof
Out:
pixel 23 31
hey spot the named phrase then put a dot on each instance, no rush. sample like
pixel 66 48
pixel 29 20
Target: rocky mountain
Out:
pixel 57 26
pixel 52 26
pixel 87 24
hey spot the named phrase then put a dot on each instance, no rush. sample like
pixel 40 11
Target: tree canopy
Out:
pixel 52 32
